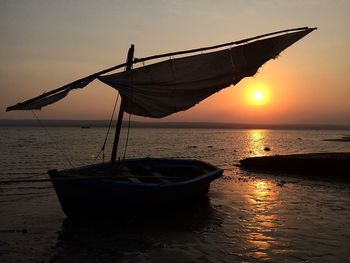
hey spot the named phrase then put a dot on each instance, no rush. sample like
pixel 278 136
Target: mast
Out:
pixel 129 62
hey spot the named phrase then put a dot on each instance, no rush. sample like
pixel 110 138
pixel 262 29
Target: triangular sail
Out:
pixel 52 96
pixel 163 88
pixel 48 99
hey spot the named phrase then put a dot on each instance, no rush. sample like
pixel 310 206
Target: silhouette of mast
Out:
pixel 129 62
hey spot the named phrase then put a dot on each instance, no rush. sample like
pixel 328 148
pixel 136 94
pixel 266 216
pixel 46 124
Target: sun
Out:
pixel 258 94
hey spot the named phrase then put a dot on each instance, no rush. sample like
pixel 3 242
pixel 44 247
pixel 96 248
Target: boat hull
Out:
pixel 94 195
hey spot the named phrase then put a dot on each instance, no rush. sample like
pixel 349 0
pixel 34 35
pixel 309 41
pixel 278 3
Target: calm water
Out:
pixel 248 217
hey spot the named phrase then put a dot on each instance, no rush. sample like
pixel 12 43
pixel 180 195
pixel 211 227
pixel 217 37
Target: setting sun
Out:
pixel 257 94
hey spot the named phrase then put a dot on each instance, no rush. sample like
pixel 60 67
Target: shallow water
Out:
pixel 248 217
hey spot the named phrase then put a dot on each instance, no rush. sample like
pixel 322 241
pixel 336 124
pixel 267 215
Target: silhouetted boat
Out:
pixel 158 90
pixel 132 182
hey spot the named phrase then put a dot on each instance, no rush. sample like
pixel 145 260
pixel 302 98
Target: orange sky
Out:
pixel 46 44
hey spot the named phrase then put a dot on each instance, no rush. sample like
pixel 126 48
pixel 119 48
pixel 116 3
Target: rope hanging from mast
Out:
pixel 127 136
pixel 108 130
pixel 54 141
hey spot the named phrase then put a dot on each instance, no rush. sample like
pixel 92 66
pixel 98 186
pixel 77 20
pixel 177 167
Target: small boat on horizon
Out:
pixel 158 90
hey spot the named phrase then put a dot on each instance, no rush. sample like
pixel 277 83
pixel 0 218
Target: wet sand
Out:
pixel 250 217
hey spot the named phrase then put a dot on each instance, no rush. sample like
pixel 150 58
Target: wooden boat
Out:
pixel 158 90
pixel 133 182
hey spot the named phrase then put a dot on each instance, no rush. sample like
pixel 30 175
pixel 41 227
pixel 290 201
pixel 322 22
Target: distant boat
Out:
pixel 85 127
pixel 158 90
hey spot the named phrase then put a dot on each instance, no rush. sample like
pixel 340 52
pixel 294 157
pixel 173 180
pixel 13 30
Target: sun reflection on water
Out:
pixel 263 222
pixel 256 142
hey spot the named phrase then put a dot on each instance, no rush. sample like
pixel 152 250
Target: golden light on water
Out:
pixel 259 239
pixel 258 94
pixel 256 142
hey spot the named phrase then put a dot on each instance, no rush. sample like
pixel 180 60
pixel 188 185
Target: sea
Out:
pixel 246 217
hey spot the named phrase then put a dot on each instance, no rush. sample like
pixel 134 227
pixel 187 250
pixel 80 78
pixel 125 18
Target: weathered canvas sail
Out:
pixel 174 85
pixel 48 99
pixel 163 88
pixel 38 104
pixel 51 97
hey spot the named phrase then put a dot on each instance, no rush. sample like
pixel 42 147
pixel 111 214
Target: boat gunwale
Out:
pixel 216 173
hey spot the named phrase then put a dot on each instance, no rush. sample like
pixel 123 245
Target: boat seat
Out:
pixel 134 179
pixel 161 177
pixel 126 171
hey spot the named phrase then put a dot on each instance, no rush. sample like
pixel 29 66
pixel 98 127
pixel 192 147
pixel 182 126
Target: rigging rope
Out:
pixel 172 73
pixel 108 130
pixel 232 64
pixel 127 136
pixel 52 139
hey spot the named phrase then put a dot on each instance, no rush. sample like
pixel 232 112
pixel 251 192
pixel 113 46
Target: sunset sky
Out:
pixel 46 44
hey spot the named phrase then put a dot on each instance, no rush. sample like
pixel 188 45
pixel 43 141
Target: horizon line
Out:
pixel 172 124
